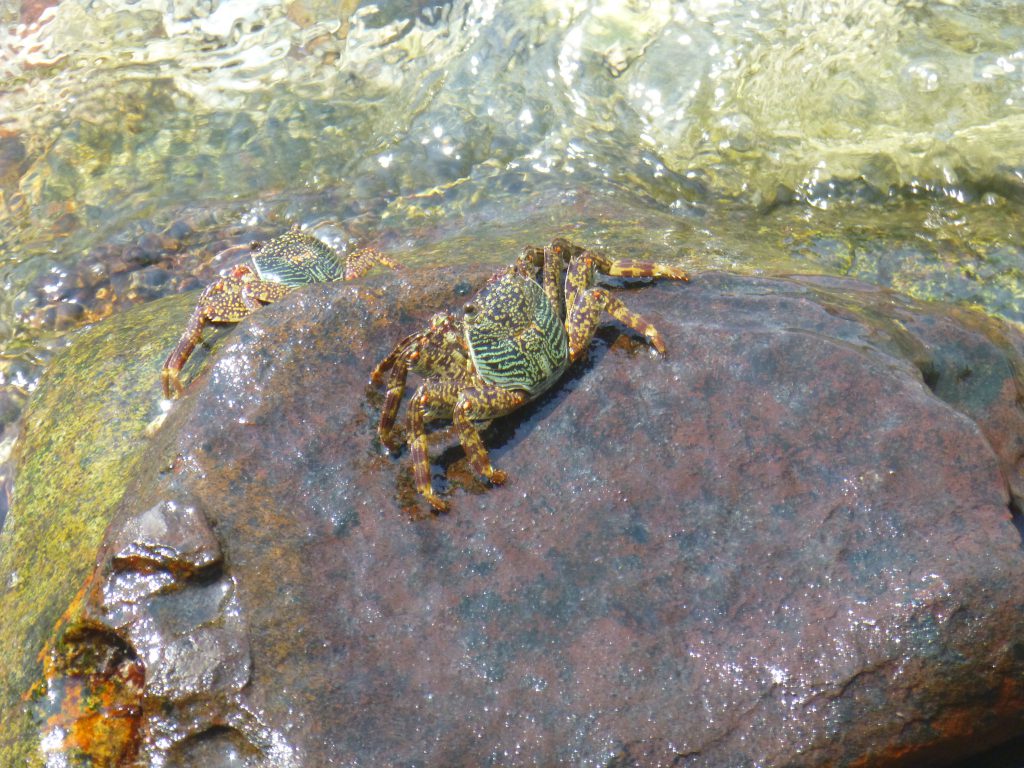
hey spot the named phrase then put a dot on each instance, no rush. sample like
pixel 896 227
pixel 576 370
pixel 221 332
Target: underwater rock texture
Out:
pixel 788 543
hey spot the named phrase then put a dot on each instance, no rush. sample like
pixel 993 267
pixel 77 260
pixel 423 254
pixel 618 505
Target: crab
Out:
pixel 278 266
pixel 511 343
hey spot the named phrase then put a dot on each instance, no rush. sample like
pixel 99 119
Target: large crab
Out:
pixel 278 266
pixel 513 341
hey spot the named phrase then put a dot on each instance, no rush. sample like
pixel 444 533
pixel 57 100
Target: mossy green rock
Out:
pixel 82 437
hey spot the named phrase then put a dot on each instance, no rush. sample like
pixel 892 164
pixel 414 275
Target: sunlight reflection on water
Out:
pixel 736 135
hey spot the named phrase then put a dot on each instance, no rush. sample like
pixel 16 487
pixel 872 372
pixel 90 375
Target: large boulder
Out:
pixel 790 542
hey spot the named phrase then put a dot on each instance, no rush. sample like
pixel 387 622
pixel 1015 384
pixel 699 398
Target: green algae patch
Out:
pixel 82 437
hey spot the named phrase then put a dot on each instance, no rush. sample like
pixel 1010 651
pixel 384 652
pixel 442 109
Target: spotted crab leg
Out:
pixel 175 361
pixel 434 398
pixel 585 314
pixel 396 367
pixel 228 300
pixel 586 303
pixel 362 261
pixel 479 404
pixel 401 350
pixel 561 252
pixel 635 267
pixel 425 398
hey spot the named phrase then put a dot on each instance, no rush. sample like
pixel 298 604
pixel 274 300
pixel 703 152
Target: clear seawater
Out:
pixel 873 138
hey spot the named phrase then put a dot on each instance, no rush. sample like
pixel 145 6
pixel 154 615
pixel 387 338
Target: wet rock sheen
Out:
pixel 790 543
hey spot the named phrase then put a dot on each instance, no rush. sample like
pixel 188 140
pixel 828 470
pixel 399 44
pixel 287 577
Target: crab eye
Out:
pixel 470 311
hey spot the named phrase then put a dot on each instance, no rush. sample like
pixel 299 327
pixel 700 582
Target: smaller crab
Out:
pixel 278 266
pixel 514 340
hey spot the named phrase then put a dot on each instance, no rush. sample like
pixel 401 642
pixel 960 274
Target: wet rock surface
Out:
pixel 789 543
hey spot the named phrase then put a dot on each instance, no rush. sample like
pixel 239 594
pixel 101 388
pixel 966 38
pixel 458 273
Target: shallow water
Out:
pixel 865 137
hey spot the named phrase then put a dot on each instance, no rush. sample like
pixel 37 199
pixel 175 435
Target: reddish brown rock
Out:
pixel 788 544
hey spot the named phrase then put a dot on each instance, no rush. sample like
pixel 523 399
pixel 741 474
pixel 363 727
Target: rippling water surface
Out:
pixel 874 138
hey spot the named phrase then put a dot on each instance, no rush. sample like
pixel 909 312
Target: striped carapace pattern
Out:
pixel 516 338
pixel 295 259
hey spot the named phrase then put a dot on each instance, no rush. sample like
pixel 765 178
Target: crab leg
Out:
pixel 479 404
pixel 427 398
pixel 413 347
pixel 579 278
pixel 389 362
pixel 169 376
pixel 257 293
pixel 399 366
pixel 615 267
pixel 405 353
pixel 637 322
pixel 228 300
pixel 581 265
pixel 636 268
pixel 584 316
pixel 362 261
pixel 586 304
pixel 433 399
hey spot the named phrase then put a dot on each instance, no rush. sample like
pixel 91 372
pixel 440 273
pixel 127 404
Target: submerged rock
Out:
pixel 788 543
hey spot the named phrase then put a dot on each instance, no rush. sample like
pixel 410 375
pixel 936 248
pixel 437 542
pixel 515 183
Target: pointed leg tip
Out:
pixel 172 386
pixel 659 345
pixel 391 445
pixel 440 506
